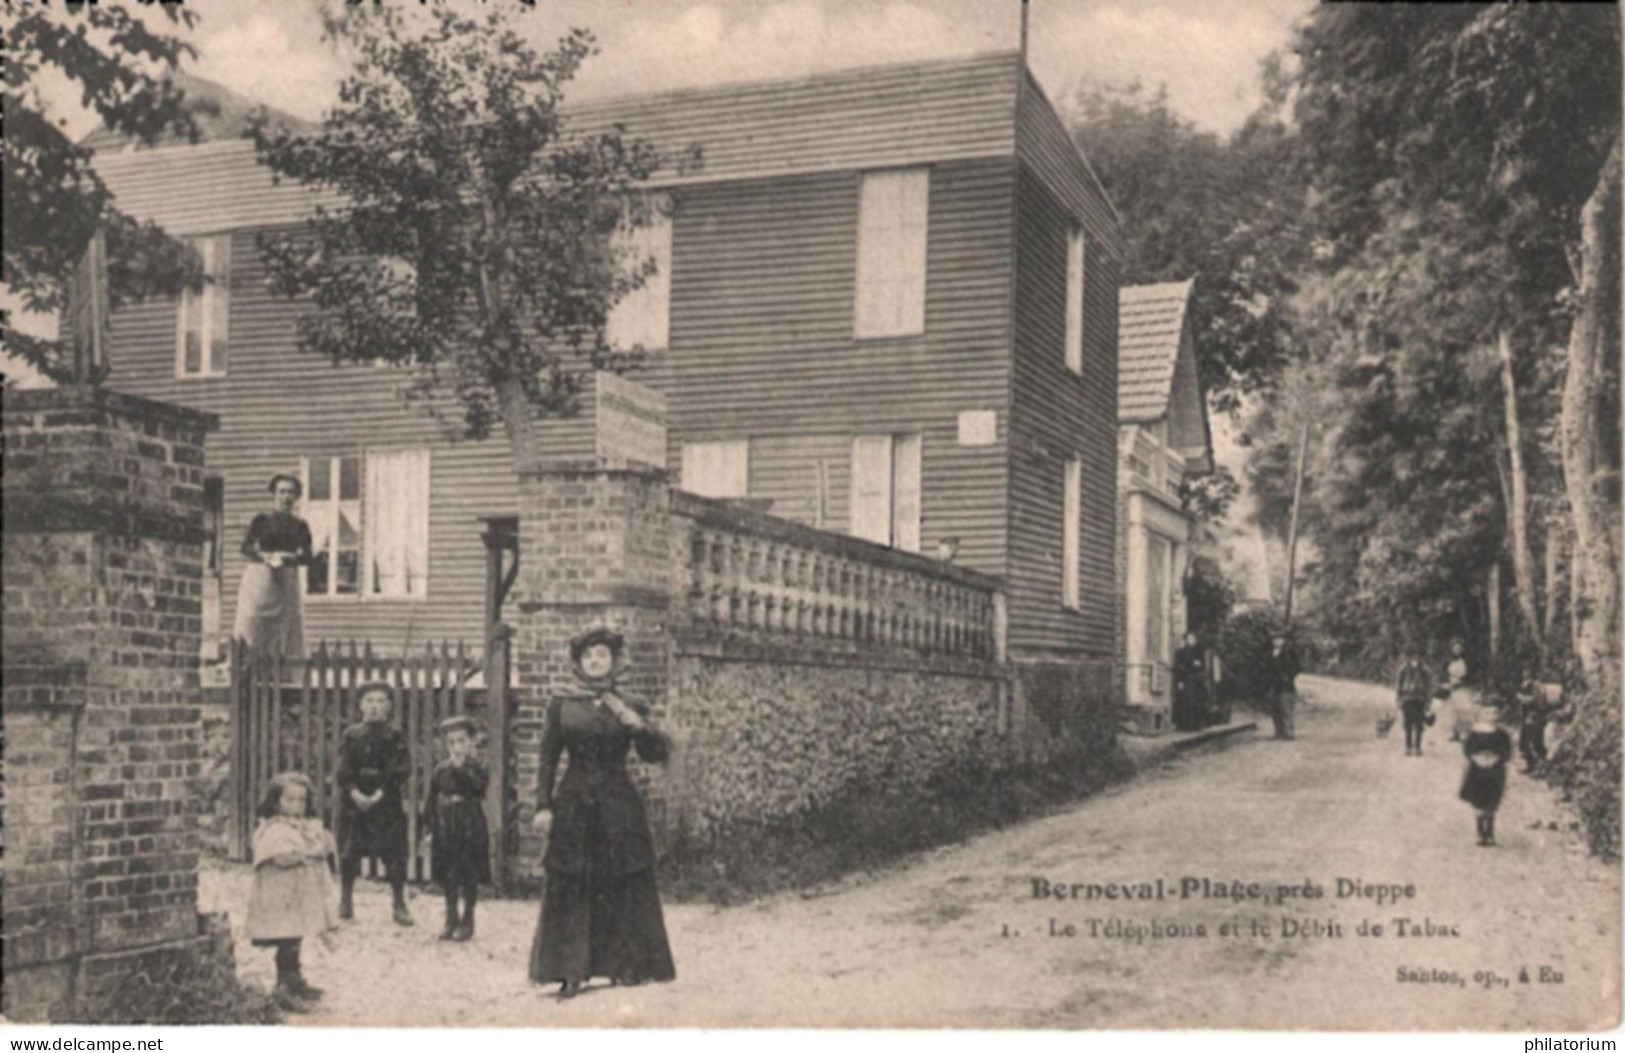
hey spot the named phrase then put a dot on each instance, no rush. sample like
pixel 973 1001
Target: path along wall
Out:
pixel 790 666
pixel 103 539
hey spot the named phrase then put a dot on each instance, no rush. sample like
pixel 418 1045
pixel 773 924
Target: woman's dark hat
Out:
pixel 608 637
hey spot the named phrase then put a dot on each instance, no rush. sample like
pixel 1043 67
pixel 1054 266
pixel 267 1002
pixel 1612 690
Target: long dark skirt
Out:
pixel 593 926
pixel 1483 787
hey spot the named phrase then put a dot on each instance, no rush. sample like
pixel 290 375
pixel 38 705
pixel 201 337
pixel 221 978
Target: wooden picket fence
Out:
pixel 291 716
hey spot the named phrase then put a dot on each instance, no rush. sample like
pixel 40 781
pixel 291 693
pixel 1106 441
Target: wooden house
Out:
pixel 1163 440
pixel 886 304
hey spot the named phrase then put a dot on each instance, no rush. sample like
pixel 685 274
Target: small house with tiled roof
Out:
pixel 1162 439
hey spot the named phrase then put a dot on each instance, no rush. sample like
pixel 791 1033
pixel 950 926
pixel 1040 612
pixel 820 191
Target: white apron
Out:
pixel 270 611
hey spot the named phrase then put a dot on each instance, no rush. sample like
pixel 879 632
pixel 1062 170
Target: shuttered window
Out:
pixel 717 469
pixel 885 504
pixel 642 318
pixel 1071 512
pixel 892 214
pixel 1074 300
pixel 369 524
pixel 202 328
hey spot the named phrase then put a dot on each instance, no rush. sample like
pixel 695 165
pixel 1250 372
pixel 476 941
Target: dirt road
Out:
pixel 924 944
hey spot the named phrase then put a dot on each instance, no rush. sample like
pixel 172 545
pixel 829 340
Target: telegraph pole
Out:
pixel 1292 529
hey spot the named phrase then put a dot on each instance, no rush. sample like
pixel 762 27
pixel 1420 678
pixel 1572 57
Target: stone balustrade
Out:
pixel 754 573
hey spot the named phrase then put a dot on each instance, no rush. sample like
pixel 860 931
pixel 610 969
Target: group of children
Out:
pixel 294 853
pixel 1486 743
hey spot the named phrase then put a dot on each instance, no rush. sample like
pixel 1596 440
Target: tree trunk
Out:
pixel 1523 564
pixel 1590 422
pixel 1492 596
pixel 1548 615
pixel 518 420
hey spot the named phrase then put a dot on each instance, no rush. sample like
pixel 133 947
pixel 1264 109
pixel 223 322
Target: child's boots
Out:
pixel 451 926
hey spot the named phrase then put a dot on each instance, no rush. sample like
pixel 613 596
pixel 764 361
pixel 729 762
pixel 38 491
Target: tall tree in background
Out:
pixel 1462 144
pixel 54 201
pixel 1224 211
pixel 474 245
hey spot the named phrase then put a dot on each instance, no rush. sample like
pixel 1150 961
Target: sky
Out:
pixel 1207 52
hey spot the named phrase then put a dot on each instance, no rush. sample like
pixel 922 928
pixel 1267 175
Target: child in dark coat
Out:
pixel 1488 748
pixel 460 847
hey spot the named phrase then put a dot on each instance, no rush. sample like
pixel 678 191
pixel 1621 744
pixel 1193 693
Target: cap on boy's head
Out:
pixel 376 687
pixel 465 725
pixel 608 637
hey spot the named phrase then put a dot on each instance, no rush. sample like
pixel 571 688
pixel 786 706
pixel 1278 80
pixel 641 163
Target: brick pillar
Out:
pixel 594 551
pixel 103 569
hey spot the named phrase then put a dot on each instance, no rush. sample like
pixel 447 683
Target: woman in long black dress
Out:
pixel 1191 695
pixel 600 912
pixel 1488 748
pixel 270 607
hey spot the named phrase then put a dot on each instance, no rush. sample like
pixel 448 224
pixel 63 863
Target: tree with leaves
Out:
pixel 1470 147
pixel 474 246
pixel 1224 211
pixel 54 202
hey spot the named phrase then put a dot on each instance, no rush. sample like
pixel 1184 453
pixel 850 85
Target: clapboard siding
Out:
pixel 869 117
pixel 763 293
pixel 1053 157
pixel 762 348
pixel 1059 415
pixel 278 404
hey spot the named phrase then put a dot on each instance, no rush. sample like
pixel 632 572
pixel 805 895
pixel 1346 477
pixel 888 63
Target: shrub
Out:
pixel 186 989
pixel 1243 648
pixel 861 831
pixel 1587 765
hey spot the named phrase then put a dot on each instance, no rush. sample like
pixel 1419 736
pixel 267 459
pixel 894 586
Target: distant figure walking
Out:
pixel 1192 693
pixel 1413 692
pixel 1533 711
pixel 1280 685
pixel 270 607
pixel 1463 699
pixel 1488 748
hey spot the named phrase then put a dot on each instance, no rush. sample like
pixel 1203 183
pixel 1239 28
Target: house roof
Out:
pixel 218 112
pixel 1150 324
pixel 868 117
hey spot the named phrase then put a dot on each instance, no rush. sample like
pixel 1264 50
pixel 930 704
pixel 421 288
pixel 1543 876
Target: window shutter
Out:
pixel 1074 300
pixel 717 469
pixel 1071 512
pixel 218 295
pixel 906 493
pixel 892 220
pixel 642 318
pixel 870 513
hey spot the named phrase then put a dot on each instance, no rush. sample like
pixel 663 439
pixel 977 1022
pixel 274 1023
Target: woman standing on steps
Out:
pixel 600 910
pixel 270 607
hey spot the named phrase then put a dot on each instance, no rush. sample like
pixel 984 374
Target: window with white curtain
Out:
pixel 369 524
pixel 1075 260
pixel 202 327
pixel 885 504
pixel 717 469
pixel 1071 511
pixel 642 318
pixel 892 221
pixel 396 516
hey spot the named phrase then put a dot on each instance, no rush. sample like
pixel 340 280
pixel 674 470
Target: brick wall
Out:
pixel 102 562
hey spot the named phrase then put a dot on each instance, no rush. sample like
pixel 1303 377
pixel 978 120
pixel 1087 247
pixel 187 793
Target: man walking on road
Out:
pixel 1413 693
pixel 1280 683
